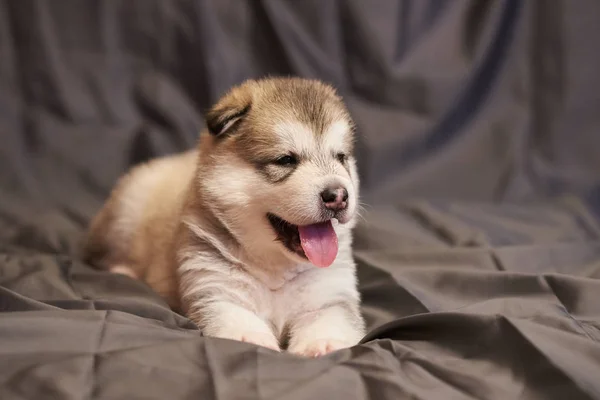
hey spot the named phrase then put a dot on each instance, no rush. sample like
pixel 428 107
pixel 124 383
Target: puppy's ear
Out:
pixel 225 116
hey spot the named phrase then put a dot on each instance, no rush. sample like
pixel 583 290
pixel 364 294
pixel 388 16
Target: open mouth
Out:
pixel 315 242
pixel 287 234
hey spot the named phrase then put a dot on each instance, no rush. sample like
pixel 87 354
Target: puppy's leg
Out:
pixel 123 270
pixel 326 313
pixel 224 305
pixel 331 328
pixel 231 321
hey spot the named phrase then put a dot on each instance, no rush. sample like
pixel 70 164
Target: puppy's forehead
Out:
pixel 306 116
pixel 305 138
pixel 295 116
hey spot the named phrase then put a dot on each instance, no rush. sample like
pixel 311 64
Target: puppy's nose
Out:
pixel 335 198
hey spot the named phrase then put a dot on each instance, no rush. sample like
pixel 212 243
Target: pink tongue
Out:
pixel 319 242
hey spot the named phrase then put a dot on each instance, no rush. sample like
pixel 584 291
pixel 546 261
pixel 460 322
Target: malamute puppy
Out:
pixel 250 234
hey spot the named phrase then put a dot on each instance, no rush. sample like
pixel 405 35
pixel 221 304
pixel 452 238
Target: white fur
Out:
pixel 335 135
pixel 296 135
pixel 328 331
pixel 123 270
pixel 245 303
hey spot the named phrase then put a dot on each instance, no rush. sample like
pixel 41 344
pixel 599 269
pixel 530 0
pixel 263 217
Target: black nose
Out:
pixel 335 198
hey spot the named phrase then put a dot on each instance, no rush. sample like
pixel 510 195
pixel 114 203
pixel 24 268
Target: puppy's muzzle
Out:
pixel 335 198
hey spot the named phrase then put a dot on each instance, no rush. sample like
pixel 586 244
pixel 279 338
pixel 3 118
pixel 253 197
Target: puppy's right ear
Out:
pixel 226 115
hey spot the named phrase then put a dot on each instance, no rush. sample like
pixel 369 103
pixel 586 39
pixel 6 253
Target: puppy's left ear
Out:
pixel 226 115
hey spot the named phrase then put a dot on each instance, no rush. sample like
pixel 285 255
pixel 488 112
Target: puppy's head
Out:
pixel 277 167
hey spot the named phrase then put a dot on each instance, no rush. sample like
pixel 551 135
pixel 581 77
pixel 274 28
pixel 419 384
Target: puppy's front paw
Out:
pixel 263 339
pixel 318 347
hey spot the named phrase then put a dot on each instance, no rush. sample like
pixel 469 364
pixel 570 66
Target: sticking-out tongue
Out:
pixel 319 242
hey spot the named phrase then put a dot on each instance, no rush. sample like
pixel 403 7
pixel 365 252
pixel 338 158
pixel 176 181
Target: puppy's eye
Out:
pixel 286 161
pixel 341 157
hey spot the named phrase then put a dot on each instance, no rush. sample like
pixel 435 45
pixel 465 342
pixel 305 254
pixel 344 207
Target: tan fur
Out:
pixel 194 227
pixel 138 223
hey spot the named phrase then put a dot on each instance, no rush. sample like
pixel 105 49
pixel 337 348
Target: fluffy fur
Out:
pixel 194 226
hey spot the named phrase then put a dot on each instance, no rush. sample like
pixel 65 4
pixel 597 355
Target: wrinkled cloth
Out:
pixel 478 247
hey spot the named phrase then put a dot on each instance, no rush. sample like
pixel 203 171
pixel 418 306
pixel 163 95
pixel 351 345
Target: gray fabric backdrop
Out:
pixel 478 147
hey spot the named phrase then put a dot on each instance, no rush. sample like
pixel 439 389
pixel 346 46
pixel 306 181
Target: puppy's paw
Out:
pixel 123 270
pixel 318 347
pixel 263 339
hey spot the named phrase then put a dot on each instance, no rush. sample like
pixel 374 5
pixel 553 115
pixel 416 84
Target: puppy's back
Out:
pixel 135 227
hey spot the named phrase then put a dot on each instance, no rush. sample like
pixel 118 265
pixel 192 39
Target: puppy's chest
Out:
pixel 281 305
pixel 275 279
pixel 286 299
